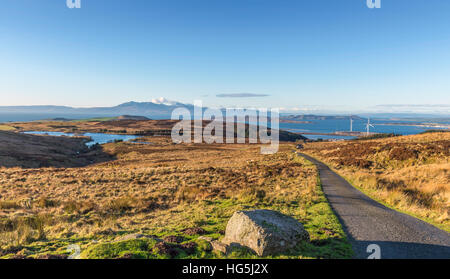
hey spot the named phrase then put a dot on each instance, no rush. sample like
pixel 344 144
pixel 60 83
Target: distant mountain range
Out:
pixel 129 108
pixel 162 109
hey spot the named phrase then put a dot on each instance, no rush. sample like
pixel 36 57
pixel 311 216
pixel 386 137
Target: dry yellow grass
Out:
pixel 6 128
pixel 161 188
pixel 409 173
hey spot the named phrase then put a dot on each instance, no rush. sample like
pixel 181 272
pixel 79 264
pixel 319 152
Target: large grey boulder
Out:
pixel 266 232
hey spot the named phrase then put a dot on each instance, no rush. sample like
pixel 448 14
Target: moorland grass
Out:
pixel 160 190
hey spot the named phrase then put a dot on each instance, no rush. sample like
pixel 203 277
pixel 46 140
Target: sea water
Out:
pixel 313 126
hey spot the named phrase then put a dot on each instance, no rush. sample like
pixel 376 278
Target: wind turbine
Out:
pixel 368 125
pixel 351 124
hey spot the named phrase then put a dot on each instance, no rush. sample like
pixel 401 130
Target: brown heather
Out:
pixel 409 173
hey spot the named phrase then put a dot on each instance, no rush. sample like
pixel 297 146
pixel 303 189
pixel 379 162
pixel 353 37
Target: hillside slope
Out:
pixel 32 151
pixel 409 173
pixel 172 192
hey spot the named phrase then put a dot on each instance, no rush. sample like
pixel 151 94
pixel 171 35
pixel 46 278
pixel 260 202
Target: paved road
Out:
pixel 368 222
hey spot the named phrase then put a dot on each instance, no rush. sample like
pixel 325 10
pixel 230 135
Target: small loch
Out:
pixel 99 138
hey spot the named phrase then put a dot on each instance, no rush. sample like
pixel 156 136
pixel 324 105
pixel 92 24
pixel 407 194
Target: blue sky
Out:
pixel 330 54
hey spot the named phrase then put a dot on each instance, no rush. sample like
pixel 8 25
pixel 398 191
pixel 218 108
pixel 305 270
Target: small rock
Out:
pixel 266 232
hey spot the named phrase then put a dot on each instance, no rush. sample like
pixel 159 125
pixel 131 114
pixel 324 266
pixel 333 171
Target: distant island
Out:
pixel 132 117
pixel 415 124
pixel 294 121
pixel 307 117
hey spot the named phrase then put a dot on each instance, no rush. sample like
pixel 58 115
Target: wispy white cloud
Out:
pixel 241 95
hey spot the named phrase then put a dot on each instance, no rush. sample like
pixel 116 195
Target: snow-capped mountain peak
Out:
pixel 164 101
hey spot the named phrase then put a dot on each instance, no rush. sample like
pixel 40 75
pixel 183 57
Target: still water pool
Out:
pixel 99 138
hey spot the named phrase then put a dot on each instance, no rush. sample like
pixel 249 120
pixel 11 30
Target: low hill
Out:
pixel 124 126
pixel 33 151
pixel 132 117
pixel 302 117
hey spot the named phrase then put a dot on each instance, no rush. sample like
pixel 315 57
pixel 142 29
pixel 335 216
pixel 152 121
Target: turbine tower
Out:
pixel 351 124
pixel 368 125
